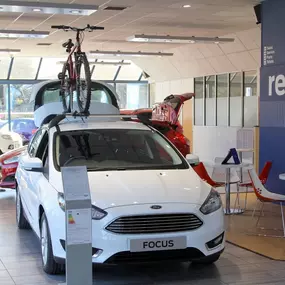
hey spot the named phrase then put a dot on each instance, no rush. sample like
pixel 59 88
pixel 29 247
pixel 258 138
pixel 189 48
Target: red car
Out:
pixel 9 164
pixel 164 117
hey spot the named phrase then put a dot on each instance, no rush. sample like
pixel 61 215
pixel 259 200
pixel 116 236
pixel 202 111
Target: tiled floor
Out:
pixel 20 263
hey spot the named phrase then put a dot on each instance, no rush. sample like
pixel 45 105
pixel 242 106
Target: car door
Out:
pixel 39 180
pixel 29 179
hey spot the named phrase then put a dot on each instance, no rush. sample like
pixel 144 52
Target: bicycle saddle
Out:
pixel 68 44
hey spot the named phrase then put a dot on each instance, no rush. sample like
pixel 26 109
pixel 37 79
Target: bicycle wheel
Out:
pixel 83 83
pixel 66 88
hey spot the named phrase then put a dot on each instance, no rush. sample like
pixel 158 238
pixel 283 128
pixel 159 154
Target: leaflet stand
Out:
pixel 78 245
pixel 231 154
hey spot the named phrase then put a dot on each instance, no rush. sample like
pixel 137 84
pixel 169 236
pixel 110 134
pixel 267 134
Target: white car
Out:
pixel 148 202
pixel 9 140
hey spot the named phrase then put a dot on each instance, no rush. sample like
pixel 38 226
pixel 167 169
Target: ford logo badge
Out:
pixel 155 207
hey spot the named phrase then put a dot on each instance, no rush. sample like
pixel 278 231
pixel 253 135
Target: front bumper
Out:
pixel 112 248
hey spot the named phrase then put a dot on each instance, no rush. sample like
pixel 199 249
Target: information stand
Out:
pixel 78 245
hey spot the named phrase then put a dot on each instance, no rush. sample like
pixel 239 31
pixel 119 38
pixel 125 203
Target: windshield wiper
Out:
pixel 107 168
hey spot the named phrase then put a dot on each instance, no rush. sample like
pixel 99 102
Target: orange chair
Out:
pixel 266 196
pixel 202 172
pixel 263 176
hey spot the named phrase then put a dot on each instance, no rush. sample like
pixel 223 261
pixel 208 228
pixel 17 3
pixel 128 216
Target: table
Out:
pixel 227 167
pixel 282 176
pixel 240 151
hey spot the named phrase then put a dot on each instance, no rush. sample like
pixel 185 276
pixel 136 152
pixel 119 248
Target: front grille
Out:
pixel 152 224
pixel 187 254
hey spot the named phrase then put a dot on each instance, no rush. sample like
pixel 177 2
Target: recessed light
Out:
pixel 187 6
pixel 128 53
pixel 217 43
pixel 177 39
pixel 75 12
pixel 47 7
pixel 192 42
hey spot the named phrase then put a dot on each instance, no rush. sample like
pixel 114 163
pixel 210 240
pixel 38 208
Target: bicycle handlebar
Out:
pixel 88 27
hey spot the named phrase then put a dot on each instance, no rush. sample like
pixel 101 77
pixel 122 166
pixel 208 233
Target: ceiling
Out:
pixel 204 18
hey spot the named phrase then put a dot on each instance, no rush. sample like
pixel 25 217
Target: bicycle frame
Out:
pixel 76 49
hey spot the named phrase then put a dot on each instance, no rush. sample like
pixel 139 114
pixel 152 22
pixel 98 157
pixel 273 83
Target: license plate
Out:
pixel 138 245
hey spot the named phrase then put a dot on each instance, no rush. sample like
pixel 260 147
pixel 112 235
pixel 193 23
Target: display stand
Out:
pixel 78 245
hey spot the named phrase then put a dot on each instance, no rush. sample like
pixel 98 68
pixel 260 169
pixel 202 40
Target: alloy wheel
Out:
pixel 18 207
pixel 44 242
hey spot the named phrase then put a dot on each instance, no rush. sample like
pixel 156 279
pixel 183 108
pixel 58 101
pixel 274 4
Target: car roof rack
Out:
pixel 54 120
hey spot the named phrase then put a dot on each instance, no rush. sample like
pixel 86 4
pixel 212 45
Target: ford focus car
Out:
pixel 170 214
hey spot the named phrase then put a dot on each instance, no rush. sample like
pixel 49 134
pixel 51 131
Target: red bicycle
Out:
pixel 73 77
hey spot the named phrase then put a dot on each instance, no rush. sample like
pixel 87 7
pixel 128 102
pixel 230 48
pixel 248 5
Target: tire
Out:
pixel 48 262
pixel 21 220
pixel 207 260
pixel 84 104
pixel 65 90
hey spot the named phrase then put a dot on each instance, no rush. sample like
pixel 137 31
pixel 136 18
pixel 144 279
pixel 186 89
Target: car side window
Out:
pixel 35 142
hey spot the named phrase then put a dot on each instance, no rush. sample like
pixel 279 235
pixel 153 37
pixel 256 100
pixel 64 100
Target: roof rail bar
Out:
pixel 56 119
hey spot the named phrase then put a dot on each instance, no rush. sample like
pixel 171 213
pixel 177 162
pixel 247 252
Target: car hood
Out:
pixel 120 188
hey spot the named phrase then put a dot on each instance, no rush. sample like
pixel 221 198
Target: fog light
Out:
pixel 11 146
pixel 215 242
pixel 99 252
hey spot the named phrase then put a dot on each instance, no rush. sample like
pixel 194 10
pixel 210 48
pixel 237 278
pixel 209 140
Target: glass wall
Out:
pixel 199 101
pixel 230 100
pixel 19 74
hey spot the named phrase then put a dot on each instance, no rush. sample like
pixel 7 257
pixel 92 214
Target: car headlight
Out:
pixel 61 201
pixel 212 203
pixel 12 159
pixel 6 137
pixel 96 213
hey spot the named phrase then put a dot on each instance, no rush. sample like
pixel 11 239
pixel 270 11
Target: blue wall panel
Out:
pixel 272 148
pixel 272 92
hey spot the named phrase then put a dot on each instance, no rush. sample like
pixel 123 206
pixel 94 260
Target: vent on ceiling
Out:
pixel 115 8
pixel 44 44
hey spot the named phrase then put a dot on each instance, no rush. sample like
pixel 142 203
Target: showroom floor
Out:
pixel 20 263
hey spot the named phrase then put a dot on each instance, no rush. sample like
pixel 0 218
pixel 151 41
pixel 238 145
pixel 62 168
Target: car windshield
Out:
pixel 116 149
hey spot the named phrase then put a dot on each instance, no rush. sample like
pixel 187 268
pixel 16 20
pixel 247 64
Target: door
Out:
pixel 29 179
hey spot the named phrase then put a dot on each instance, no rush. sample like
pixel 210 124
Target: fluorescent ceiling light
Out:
pixel 128 53
pixel 7 50
pixel 102 63
pixel 23 34
pixel 47 8
pixel 187 6
pixel 177 40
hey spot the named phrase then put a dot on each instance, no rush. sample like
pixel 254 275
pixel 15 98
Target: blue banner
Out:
pixel 273 39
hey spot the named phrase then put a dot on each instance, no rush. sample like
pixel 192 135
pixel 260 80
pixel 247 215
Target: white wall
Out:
pixel 165 88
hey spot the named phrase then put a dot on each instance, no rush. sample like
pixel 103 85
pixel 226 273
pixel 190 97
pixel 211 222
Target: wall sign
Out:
pixel 273 39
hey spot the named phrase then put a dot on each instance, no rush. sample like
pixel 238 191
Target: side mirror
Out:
pixel 192 159
pixel 32 164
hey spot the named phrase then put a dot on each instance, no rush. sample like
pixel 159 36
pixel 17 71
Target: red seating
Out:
pixel 202 172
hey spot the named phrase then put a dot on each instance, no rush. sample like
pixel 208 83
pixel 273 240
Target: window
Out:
pixel 20 95
pixel 117 149
pixel 25 67
pixel 105 72
pixel 4 67
pixel 224 104
pixel 210 100
pixel 35 142
pixel 222 100
pixel 199 95
pixel 50 68
pixel 132 95
pixel 250 99
pixel 235 99
pixel 129 72
pixel 4 97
